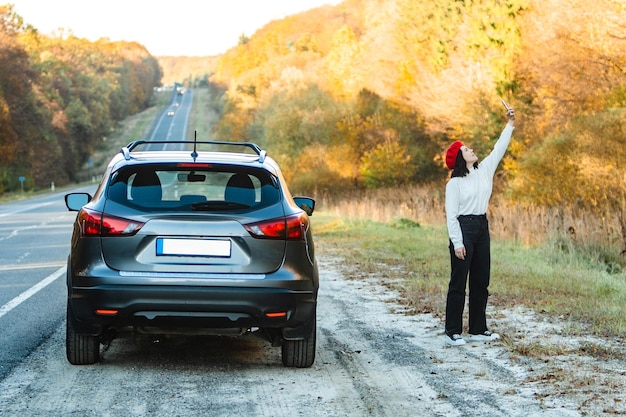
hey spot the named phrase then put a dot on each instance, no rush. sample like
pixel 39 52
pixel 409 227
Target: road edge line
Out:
pixel 31 291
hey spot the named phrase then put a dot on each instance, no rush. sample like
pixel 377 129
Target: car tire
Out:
pixel 300 353
pixel 80 349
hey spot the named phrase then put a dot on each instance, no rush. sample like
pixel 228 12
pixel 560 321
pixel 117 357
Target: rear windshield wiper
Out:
pixel 217 205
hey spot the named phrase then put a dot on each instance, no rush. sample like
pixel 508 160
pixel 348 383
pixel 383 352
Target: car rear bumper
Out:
pixel 169 309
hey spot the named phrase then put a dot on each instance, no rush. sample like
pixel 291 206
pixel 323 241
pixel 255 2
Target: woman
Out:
pixel 467 197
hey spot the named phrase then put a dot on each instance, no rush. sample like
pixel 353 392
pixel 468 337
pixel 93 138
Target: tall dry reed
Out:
pixel 527 224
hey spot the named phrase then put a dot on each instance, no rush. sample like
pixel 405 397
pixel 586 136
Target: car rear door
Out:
pixel 193 220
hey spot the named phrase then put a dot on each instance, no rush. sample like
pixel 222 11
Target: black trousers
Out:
pixel 476 266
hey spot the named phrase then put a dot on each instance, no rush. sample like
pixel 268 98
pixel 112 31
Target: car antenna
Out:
pixel 194 154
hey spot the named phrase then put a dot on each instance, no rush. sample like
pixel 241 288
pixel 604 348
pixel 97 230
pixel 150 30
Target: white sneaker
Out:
pixel 455 340
pixel 486 336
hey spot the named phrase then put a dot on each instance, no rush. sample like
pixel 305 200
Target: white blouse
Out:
pixel 470 194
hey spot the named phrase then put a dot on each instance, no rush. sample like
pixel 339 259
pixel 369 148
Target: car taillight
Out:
pixel 290 228
pixel 94 223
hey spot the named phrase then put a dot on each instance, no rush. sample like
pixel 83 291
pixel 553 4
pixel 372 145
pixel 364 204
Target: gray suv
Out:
pixel 200 241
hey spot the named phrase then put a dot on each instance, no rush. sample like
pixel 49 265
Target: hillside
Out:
pixel 343 92
pixel 60 97
pixel 192 71
pixel 367 93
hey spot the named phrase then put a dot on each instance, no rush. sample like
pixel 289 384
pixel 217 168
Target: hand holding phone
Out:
pixel 510 113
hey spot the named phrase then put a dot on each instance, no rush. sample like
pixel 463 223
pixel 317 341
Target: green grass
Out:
pixel 416 258
pixel 202 116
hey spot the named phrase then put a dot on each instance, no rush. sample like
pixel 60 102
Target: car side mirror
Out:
pixel 76 201
pixel 305 203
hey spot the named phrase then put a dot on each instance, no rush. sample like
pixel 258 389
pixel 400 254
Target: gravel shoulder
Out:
pixel 373 359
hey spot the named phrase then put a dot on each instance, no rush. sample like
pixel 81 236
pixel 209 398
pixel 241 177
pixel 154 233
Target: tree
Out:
pixel 340 63
pixel 22 116
pixel 578 165
pixel 449 49
pixel 573 62
pixel 388 164
pixel 60 95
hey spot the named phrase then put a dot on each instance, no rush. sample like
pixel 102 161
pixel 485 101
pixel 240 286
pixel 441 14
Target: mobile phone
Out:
pixel 506 106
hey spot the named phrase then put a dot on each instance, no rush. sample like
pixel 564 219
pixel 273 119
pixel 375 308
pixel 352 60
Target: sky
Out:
pixel 165 28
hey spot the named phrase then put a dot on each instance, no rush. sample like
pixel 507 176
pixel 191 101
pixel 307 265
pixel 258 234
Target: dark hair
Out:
pixel 460 166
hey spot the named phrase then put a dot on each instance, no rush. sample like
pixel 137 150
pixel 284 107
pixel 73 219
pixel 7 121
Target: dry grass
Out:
pixel 598 237
pixel 539 256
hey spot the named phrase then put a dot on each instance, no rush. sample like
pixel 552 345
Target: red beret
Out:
pixel 452 153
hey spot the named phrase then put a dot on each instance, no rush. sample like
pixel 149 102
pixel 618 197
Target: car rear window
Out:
pixel 193 187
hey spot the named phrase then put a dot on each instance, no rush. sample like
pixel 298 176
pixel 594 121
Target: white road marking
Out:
pixel 31 291
pixel 15 267
pixel 31 207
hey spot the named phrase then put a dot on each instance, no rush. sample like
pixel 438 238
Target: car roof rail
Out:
pixel 126 150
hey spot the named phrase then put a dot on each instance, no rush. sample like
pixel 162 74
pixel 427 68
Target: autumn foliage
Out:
pixel 370 92
pixel 60 97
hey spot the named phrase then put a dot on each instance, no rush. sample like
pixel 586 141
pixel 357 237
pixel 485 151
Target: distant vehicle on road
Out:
pixel 170 113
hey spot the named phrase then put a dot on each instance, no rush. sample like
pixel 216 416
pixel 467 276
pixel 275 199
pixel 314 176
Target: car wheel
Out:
pixel 300 353
pixel 80 349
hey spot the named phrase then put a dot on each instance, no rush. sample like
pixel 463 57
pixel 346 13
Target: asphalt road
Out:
pixel 174 127
pixel 34 244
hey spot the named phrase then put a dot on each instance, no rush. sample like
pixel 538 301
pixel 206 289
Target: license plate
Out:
pixel 193 247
